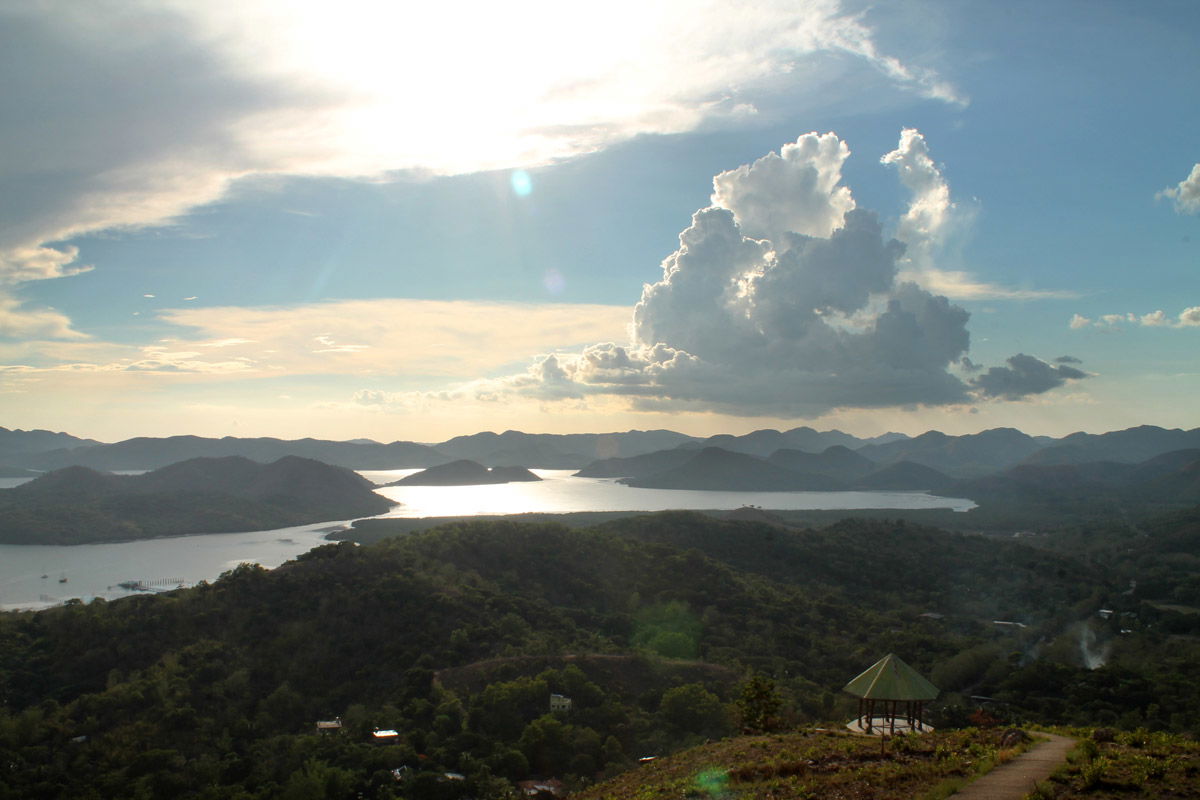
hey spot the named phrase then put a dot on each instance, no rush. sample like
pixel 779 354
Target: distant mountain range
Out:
pixel 763 443
pixel 632 454
pixel 1169 478
pixel 557 451
pixel 1130 446
pixel 716 469
pixel 17 442
pixel 153 453
pixel 204 495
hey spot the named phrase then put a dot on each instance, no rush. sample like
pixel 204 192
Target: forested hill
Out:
pixel 215 691
pixel 202 495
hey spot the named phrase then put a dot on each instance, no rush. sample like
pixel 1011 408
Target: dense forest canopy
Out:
pixel 653 626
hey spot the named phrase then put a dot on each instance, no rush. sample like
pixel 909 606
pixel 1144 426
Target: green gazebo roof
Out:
pixel 891 679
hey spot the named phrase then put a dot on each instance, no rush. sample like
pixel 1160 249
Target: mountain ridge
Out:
pixel 607 454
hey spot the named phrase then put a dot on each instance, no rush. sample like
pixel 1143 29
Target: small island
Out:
pixel 465 473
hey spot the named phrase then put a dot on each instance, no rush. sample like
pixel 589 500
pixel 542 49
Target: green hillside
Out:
pixel 664 631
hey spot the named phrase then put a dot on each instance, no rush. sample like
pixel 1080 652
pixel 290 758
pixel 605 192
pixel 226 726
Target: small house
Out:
pixel 548 789
pixel 560 702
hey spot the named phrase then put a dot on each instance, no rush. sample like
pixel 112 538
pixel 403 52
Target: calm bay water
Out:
pixel 559 493
pixel 96 570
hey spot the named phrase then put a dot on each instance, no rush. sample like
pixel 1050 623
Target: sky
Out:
pixel 414 221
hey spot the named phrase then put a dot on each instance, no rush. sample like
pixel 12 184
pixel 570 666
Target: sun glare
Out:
pixel 482 86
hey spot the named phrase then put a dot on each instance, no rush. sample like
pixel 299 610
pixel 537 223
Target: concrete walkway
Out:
pixel 1014 780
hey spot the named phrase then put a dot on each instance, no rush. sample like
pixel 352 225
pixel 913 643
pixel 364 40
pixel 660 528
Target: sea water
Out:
pixel 559 492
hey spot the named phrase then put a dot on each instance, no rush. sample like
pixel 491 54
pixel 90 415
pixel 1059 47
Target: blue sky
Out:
pixel 291 219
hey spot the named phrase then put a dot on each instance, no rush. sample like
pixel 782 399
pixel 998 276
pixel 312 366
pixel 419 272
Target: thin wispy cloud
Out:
pixel 959 285
pixel 435 339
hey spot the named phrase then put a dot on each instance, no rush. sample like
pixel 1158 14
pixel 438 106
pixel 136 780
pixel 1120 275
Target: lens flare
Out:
pixel 522 184
pixel 713 782
pixel 554 281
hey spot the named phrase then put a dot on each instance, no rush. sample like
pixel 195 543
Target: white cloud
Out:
pixel 437 339
pixel 933 227
pixel 23 263
pixel 789 315
pixel 923 226
pixel 1189 317
pixel 1186 195
pixel 796 189
pixel 851 35
pixel 959 285
pixel 20 322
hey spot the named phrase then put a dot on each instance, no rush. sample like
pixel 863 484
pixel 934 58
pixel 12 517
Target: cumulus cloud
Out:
pixel 1025 375
pixel 1185 195
pixel 1189 317
pixel 795 190
pixel 933 226
pixel 788 324
pixel 923 226
pixel 783 298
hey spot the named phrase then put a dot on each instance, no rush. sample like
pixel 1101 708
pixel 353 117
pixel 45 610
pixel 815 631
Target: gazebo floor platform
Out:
pixel 882 726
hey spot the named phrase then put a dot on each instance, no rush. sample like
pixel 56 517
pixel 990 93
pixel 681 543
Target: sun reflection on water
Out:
pixel 559 492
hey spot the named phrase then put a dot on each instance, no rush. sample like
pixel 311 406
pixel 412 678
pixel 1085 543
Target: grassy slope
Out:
pixel 824 763
pixel 1126 764
pixel 816 763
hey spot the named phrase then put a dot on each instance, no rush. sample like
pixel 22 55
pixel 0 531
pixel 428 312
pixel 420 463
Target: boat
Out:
pixel 63 579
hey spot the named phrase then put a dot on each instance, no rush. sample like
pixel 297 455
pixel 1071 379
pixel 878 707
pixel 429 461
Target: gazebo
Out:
pixel 891 697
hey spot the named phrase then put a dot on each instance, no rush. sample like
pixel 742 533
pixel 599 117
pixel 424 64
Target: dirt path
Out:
pixel 1014 780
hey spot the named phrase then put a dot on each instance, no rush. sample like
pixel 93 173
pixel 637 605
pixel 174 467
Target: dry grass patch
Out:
pixel 813 764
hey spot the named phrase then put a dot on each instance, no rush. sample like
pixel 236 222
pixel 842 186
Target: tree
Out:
pixel 759 704
pixel 694 709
